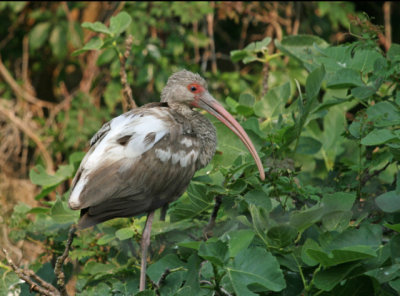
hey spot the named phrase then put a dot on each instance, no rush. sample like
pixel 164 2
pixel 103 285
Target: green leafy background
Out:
pixel 323 113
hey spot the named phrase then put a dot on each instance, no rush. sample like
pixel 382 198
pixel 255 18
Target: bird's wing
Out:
pixel 139 157
pixel 117 146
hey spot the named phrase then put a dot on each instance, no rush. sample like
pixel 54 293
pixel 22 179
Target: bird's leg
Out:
pixel 145 243
pixel 163 212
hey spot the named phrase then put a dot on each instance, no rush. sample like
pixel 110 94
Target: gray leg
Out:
pixel 145 243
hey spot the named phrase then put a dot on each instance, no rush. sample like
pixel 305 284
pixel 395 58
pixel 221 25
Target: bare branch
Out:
pixel 30 277
pixel 388 27
pixel 128 103
pixel 58 271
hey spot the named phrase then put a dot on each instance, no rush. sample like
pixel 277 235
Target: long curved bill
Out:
pixel 211 105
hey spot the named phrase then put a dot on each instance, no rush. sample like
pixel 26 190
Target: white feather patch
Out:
pixel 135 126
pixel 163 155
pixel 187 142
pixel 109 150
pixel 74 202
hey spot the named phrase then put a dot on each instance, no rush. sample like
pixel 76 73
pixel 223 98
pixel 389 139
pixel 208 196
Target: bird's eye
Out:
pixel 193 88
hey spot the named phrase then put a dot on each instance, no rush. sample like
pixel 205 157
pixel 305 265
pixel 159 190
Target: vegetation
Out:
pixel 316 86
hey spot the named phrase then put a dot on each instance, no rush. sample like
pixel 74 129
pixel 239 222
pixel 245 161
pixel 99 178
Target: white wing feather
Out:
pixel 108 150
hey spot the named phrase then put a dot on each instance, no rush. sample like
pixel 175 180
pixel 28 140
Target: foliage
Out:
pixel 324 222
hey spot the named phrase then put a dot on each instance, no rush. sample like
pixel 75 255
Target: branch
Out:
pixel 30 277
pixel 207 231
pixel 30 133
pixel 388 27
pixel 368 176
pixel 58 271
pixel 128 103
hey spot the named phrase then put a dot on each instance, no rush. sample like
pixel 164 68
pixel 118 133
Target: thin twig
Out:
pixel 368 176
pixel 58 270
pixel 208 229
pixel 40 286
pixel 128 103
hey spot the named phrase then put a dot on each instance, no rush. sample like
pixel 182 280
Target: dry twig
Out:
pixel 128 103
pixel 58 271
pixel 35 283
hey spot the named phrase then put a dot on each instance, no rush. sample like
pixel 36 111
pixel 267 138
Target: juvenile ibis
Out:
pixel 145 158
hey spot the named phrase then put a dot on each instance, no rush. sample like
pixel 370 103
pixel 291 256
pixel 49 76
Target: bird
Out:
pixel 145 158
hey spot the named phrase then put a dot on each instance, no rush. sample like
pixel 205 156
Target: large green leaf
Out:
pixel 389 202
pixel 257 270
pixel 215 252
pixel 344 255
pixel 313 82
pixel 62 214
pixel 120 22
pixel 378 137
pixel 239 240
pixel 327 279
pixel 301 47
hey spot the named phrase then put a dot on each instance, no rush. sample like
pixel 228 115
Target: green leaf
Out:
pixel 363 92
pixel 215 252
pixel 96 268
pixel 39 176
pixel 58 41
pixel 384 114
pixel 344 78
pixel 313 82
pixel 337 221
pixel 327 279
pixel 239 240
pixel 309 244
pixel 120 22
pixel 282 236
pixel 38 35
pixel 393 53
pixel 192 203
pixel 385 274
pixel 238 55
pixel 124 233
pixel 105 239
pixel 94 44
pixel 169 261
pixel 259 198
pixel 97 27
pixel 378 137
pixel 395 227
pixel 62 214
pixel 302 48
pixel 308 145
pixel 344 255
pixel 389 202
pixel 255 268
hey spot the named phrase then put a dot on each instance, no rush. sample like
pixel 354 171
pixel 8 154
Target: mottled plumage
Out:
pixel 145 158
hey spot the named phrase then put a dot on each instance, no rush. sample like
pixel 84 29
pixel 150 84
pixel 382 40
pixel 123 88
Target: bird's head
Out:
pixel 190 89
